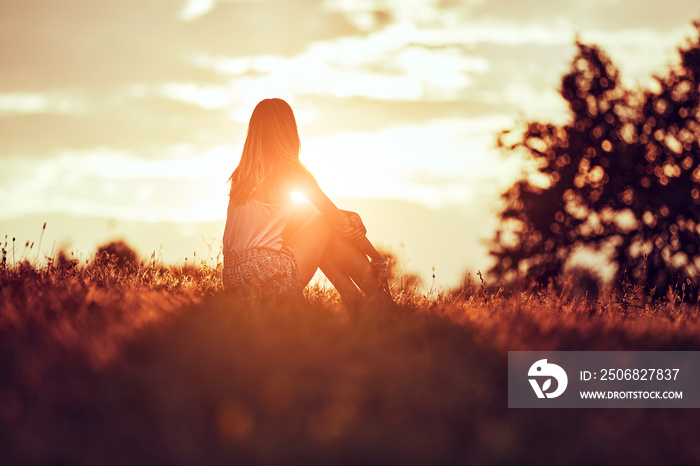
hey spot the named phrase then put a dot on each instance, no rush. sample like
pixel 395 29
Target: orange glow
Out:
pixel 398 107
pixel 298 198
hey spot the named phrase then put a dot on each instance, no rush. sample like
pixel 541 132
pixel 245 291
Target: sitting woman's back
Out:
pixel 255 224
pixel 258 258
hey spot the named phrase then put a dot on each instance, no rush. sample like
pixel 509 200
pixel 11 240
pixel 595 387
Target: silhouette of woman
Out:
pixel 271 245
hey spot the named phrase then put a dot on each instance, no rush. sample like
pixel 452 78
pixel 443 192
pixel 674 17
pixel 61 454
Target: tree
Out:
pixel 117 253
pixel 622 176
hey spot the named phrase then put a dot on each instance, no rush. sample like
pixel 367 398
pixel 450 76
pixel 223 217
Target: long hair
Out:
pixel 270 154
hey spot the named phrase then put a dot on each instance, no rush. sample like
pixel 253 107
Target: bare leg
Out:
pixel 316 244
pixel 309 242
pixel 341 281
pixel 341 254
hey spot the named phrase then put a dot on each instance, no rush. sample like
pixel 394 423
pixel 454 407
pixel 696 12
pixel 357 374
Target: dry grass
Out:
pixel 107 365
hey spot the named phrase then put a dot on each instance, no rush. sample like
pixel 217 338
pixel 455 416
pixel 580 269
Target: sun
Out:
pixel 298 197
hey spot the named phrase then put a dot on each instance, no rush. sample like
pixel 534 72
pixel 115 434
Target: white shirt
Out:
pixel 255 224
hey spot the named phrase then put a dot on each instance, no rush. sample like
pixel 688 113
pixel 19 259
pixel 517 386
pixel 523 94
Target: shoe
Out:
pixel 382 276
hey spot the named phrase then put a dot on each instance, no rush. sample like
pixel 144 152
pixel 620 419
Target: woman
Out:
pixel 271 248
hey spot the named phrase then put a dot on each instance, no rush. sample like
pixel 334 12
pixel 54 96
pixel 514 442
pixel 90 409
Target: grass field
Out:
pixel 103 365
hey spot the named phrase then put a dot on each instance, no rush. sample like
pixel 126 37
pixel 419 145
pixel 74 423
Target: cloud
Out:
pixel 110 43
pixel 422 12
pixel 91 45
pixel 417 80
pixel 386 65
pixel 70 73
pixel 187 186
pixel 435 163
pixel 125 75
pixel 136 109
pixel 28 103
pixel 591 14
pixel 332 115
pixel 413 161
pixel 277 27
pixel 145 125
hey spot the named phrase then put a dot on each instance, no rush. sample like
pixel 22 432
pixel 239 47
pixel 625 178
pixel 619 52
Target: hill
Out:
pixel 100 365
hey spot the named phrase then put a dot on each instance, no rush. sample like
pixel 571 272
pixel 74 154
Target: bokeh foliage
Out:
pixel 621 176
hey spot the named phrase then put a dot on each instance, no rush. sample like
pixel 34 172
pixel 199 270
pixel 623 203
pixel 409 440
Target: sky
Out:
pixel 124 118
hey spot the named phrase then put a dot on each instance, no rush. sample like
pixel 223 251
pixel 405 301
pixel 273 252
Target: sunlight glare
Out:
pixel 298 197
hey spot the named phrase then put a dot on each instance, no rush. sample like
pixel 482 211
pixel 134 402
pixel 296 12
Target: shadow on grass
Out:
pixel 234 382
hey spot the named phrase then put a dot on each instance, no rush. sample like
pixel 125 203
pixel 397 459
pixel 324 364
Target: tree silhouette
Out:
pixel 623 176
pixel 117 253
